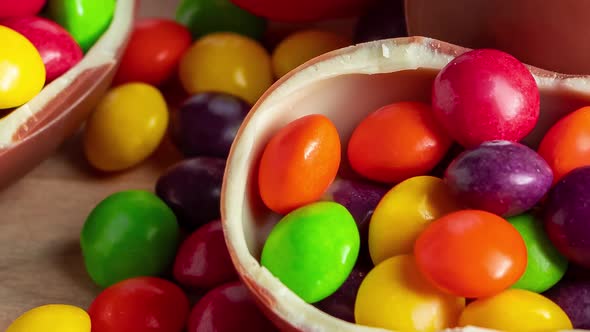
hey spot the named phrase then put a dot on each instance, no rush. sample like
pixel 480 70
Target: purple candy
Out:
pixel 384 20
pixel 567 216
pixel 207 123
pixel 341 303
pixel 502 177
pixel 360 199
pixel 574 298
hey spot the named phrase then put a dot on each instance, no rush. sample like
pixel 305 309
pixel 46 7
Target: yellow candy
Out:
pixel 227 62
pixel 52 318
pixel 22 72
pixel 302 46
pixel 394 295
pixel 126 127
pixel 404 212
pixel 516 310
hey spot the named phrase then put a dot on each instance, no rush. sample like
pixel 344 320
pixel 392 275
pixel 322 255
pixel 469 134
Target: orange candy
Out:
pixel 471 253
pixel 396 142
pixel 566 145
pixel 299 163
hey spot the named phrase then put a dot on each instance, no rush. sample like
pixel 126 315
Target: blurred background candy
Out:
pixel 20 8
pixel 385 19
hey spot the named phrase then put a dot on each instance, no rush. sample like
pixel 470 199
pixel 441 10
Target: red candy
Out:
pixel 58 49
pixel 228 308
pixel 14 8
pixel 484 95
pixel 304 10
pixel 143 304
pixel 153 52
pixel 203 260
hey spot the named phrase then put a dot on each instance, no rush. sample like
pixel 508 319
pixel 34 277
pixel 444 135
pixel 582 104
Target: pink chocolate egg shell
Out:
pixel 345 85
pixel 33 131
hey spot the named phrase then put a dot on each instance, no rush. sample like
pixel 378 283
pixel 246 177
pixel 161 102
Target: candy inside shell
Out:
pixel 345 85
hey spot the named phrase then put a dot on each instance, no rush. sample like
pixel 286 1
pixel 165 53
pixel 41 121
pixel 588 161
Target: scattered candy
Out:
pixel 57 48
pixel 153 52
pixel 299 163
pixel 126 127
pixel 386 19
pixel 484 95
pixel 471 253
pixel 20 8
pixel 341 303
pixel 313 249
pixel 545 265
pixel 128 234
pixel 404 212
pixel 502 177
pixel 226 62
pixel 52 318
pixel 143 304
pixel 395 295
pixel 414 143
pixel 573 297
pixel 203 17
pixel 207 123
pixel 228 308
pixel 203 260
pixel 302 46
pixel 515 310
pixel 564 145
pixel 566 216
pixel 22 73
pixel 192 188
pixel 304 10
pixel 86 20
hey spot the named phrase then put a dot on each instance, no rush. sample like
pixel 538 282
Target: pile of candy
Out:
pixel 43 40
pixel 447 219
pixel 154 253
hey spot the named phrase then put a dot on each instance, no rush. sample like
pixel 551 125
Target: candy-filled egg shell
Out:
pixel 337 85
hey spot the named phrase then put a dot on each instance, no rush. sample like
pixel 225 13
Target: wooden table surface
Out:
pixel 42 214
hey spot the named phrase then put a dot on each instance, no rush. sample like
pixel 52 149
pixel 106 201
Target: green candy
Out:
pixel 545 266
pixel 207 16
pixel 129 234
pixel 85 20
pixel 313 249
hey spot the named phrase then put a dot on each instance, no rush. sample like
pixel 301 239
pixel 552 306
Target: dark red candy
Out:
pixel 58 49
pixel 203 260
pixel 386 19
pixel 142 304
pixel 228 308
pixel 14 8
pixel 485 95
pixel 207 123
pixel 192 189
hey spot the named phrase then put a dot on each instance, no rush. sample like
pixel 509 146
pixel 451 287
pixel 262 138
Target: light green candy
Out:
pixel 85 20
pixel 313 249
pixel 545 265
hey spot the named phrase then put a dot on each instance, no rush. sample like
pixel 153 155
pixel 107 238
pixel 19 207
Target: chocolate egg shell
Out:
pixel 32 132
pixel 392 70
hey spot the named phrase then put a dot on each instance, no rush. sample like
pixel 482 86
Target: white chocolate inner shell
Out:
pixel 344 85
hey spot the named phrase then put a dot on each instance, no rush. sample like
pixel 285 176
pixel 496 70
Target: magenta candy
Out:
pixel 228 308
pixel 58 49
pixel 485 95
pixel 203 260
pixel 14 8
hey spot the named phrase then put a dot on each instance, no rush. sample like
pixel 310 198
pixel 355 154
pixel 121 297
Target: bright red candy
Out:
pixel 142 304
pixel 154 50
pixel 304 10
pixel 485 95
pixel 203 260
pixel 57 47
pixel 14 8
pixel 228 308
